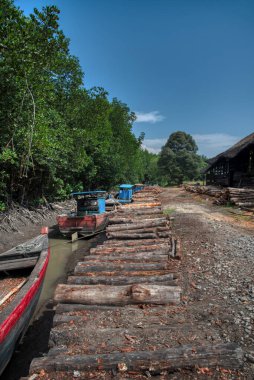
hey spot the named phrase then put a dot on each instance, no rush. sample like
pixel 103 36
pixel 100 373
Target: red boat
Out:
pixel 22 271
pixel 90 218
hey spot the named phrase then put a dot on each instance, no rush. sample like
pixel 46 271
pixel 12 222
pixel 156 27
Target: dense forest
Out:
pixel 56 135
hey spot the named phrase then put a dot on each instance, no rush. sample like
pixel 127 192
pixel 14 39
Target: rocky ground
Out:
pixel 218 250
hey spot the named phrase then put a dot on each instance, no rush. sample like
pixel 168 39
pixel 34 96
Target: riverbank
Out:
pixel 20 224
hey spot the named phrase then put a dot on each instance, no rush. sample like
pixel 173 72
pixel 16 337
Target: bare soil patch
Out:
pixel 218 261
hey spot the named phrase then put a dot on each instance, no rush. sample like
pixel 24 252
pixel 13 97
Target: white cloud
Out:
pixel 154 145
pixel 214 143
pixel 148 117
pixel 208 144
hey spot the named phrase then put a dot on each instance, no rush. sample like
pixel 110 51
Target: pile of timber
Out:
pixel 220 195
pixel 120 312
pixel 212 191
pixel 242 197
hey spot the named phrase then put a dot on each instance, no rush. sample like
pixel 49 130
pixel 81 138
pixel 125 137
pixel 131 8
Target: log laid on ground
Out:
pixel 163 249
pixel 146 200
pixel 142 205
pixel 74 307
pixel 141 235
pixel 140 225
pixel 226 355
pixel 83 267
pixel 166 279
pixel 135 220
pixel 140 211
pixel 128 272
pixel 142 230
pixel 131 243
pixel 118 295
pixel 150 256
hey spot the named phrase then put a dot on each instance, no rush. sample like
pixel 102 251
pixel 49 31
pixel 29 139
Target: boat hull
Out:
pixel 15 317
pixel 87 225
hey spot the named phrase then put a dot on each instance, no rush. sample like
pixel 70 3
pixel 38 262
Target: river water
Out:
pixel 61 251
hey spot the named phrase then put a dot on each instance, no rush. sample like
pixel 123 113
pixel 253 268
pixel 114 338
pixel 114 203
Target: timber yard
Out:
pixel 126 190
pixel 162 292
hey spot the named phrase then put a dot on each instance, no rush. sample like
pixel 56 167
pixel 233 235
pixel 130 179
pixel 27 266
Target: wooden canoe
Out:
pixel 22 271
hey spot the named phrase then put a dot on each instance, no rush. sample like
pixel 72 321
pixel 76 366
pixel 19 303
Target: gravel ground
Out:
pixel 218 251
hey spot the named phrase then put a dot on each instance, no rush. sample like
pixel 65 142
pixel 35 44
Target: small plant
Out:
pixel 2 206
pixel 168 211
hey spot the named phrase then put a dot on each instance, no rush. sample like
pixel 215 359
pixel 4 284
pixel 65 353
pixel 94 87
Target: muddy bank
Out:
pixel 20 224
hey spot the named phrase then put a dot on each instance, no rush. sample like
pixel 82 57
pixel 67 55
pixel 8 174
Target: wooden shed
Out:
pixel 234 167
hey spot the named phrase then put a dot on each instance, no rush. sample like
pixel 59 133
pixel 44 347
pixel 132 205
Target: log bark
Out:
pixel 163 248
pixel 129 236
pixel 134 220
pixel 84 267
pixel 140 211
pixel 226 355
pixel 128 272
pixel 118 295
pixel 73 307
pixel 143 205
pixel 166 279
pixel 152 256
pixel 140 225
pixel 131 243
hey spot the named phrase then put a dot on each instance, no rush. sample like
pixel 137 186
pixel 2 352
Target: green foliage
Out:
pixel 56 136
pixel 179 161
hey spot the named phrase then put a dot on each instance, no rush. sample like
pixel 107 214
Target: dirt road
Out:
pixel 218 275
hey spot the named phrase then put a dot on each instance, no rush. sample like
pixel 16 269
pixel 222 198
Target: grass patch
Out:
pixel 168 211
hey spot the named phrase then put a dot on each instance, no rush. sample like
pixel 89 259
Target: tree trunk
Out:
pixel 141 225
pixel 162 248
pixel 140 235
pixel 226 355
pixel 118 295
pixel 166 279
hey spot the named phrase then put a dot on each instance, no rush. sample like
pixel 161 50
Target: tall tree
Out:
pixel 179 160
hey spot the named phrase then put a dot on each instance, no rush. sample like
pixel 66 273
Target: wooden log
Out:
pixel 166 279
pixel 74 307
pixel 129 236
pixel 127 272
pixel 145 230
pixel 117 295
pixel 134 220
pixel 124 251
pixel 225 355
pixel 104 249
pixel 134 257
pixel 131 243
pixel 146 200
pixel 141 225
pixel 140 211
pixel 84 267
pixel 143 205
pixel 246 204
pixel 161 254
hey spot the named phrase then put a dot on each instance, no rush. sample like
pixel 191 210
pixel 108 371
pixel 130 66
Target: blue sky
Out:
pixel 179 64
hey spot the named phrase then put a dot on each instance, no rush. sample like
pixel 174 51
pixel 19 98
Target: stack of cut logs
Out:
pixel 242 197
pixel 220 194
pixel 121 311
